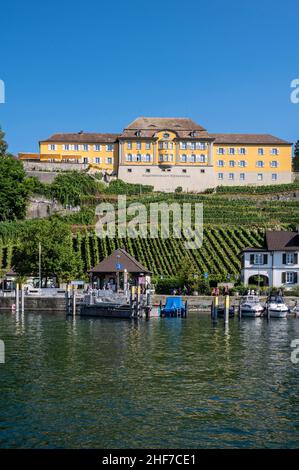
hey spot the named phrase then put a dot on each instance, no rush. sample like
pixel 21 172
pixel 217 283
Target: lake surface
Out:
pixel 160 383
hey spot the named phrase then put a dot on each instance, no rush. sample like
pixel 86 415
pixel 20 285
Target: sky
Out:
pixel 97 65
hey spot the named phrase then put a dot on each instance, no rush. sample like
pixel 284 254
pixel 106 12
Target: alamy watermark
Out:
pixel 2 92
pixel 154 220
pixel 2 352
pixel 295 93
pixel 295 352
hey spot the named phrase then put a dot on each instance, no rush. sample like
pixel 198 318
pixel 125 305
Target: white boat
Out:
pixel 251 306
pixel 276 306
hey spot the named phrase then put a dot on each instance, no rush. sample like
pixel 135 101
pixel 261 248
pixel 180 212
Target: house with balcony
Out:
pixel 276 263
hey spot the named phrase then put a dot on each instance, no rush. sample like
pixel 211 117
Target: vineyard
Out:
pixel 219 254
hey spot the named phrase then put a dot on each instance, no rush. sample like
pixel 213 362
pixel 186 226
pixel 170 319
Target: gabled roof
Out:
pixel 260 139
pixel 278 240
pixel 83 137
pixel 120 256
pixel 158 123
pixel 282 241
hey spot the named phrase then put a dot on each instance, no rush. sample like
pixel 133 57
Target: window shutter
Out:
pixel 283 278
pixel 251 259
pixel 295 278
pixel 265 259
pixel 295 258
pixel 284 258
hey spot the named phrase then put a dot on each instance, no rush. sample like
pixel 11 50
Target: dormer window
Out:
pixel 166 135
pixel 193 134
pixel 138 133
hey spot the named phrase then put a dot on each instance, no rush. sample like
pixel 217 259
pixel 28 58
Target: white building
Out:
pixel 277 262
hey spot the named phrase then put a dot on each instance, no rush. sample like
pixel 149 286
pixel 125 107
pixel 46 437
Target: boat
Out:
pixel 276 307
pixel 107 304
pixel 174 307
pixel 221 309
pixel 251 306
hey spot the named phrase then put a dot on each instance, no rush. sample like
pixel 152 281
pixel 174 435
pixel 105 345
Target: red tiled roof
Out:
pixel 108 265
pixel 260 139
pixel 83 137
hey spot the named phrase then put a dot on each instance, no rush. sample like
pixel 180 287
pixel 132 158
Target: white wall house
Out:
pixel 277 262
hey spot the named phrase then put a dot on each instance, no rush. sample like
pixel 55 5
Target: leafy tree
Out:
pixel 296 157
pixel 13 189
pixel 57 255
pixel 3 144
pixel 68 187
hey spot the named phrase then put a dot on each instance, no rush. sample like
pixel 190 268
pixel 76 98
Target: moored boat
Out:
pixel 251 306
pixel 276 307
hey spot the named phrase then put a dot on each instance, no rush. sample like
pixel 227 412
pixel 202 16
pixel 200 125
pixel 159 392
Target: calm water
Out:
pixel 162 383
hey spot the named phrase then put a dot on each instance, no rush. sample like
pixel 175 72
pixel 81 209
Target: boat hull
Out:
pixel 106 311
pixel 251 313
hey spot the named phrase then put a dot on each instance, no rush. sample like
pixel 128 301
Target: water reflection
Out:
pixel 72 382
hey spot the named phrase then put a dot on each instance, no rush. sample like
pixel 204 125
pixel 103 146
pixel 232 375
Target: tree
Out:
pixel 14 191
pixel 296 157
pixel 58 259
pixel 3 144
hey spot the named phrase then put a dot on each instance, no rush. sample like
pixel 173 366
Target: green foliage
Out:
pixel 120 187
pixel 58 256
pixel 68 188
pixel 296 157
pixel 13 189
pixel 273 188
pixel 167 284
pixel 3 144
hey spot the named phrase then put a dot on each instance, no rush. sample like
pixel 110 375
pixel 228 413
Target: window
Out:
pixel 202 146
pixel 274 164
pixel 109 147
pixel 129 157
pixel 289 277
pixel 184 158
pixel 85 160
pixel 97 148
pixel 52 146
pixel 138 145
pixel 76 147
pixel 232 163
pixel 274 151
pixel 290 258
pixel 138 133
pixel 148 145
pixel 66 147
pixel 138 157
pixel 231 176
pixel 109 161
pixel 220 163
pixel 193 145
pixel 85 147
pixel 129 145
pixel 171 157
pixel 183 145
pixel 160 145
pixel 274 176
pixel 242 151
pixel 260 164
pixel 202 158
pixel 166 135
pixel 193 158
pixel 231 151
pixel 242 163
pixel 260 176
pixel 258 259
pixel 161 158
pixel 261 151
pixel 170 145
pixel 242 176
pixel 147 157
pixel 220 176
pixel 221 151
pixel 97 160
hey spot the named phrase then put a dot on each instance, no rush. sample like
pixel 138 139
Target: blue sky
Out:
pixel 96 65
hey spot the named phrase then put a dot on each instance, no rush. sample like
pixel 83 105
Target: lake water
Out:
pixel 160 383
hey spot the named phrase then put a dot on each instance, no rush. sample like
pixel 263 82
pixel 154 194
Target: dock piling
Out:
pixel 226 309
pixel 17 297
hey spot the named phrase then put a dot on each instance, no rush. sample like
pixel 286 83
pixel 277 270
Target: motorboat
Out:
pixel 251 306
pixel 276 307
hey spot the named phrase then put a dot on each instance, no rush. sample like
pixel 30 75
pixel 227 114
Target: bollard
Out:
pixel 74 302
pixel 226 309
pixel 216 303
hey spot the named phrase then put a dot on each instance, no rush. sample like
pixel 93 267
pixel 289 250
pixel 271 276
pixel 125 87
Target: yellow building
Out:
pixel 173 152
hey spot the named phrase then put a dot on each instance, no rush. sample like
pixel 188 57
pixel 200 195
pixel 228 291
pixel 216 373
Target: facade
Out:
pixel 277 262
pixel 174 152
